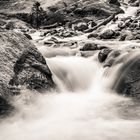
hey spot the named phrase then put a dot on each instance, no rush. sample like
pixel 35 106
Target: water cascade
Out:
pixel 84 107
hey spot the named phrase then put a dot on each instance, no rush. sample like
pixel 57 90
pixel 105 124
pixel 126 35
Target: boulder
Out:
pixel 89 47
pixel 16 24
pixel 28 36
pixel 121 25
pixel 103 54
pixel 122 37
pixel 108 34
pixel 115 2
pixel 92 35
pixel 21 65
pixel 133 36
pixel 112 58
pixel 100 9
pixel 127 81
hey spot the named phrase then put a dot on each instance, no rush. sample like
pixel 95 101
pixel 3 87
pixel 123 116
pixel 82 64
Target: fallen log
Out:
pixel 50 26
pixel 100 24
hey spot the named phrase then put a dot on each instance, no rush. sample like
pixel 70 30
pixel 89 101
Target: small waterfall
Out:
pixel 88 110
pixel 74 73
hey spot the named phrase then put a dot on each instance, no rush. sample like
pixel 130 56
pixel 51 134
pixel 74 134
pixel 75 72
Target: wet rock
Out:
pixel 121 25
pixel 16 24
pixel 122 37
pixel 92 35
pixel 89 47
pixel 21 65
pixel 133 36
pixel 48 43
pixel 103 54
pixel 108 34
pixel 128 80
pixel 28 36
pixel 5 108
pixel 100 9
pixel 32 31
pixel 136 37
pixel 79 11
pixel 115 2
pixel 112 58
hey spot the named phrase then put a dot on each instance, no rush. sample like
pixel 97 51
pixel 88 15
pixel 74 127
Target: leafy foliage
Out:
pixel 37 15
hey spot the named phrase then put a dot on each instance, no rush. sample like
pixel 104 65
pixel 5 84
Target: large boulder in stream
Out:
pixel 21 65
pixel 89 47
pixel 127 80
pixel 109 34
pixel 103 54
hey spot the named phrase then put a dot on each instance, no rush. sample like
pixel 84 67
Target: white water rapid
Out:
pixel 84 109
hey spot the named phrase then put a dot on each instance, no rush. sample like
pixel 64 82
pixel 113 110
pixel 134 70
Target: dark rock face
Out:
pixel 115 2
pixel 63 12
pixel 89 9
pixel 103 54
pixel 121 25
pixel 128 79
pixel 108 34
pixel 122 37
pixel 28 36
pixel 21 65
pixel 92 35
pixel 89 47
pixel 112 58
pixel 134 2
pixel 98 9
pixel 130 36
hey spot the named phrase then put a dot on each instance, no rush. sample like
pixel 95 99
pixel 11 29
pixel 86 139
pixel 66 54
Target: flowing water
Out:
pixel 85 108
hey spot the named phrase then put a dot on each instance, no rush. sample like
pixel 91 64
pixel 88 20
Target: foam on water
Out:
pixel 91 112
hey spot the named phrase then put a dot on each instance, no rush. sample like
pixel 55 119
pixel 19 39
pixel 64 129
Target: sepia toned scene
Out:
pixel 69 69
